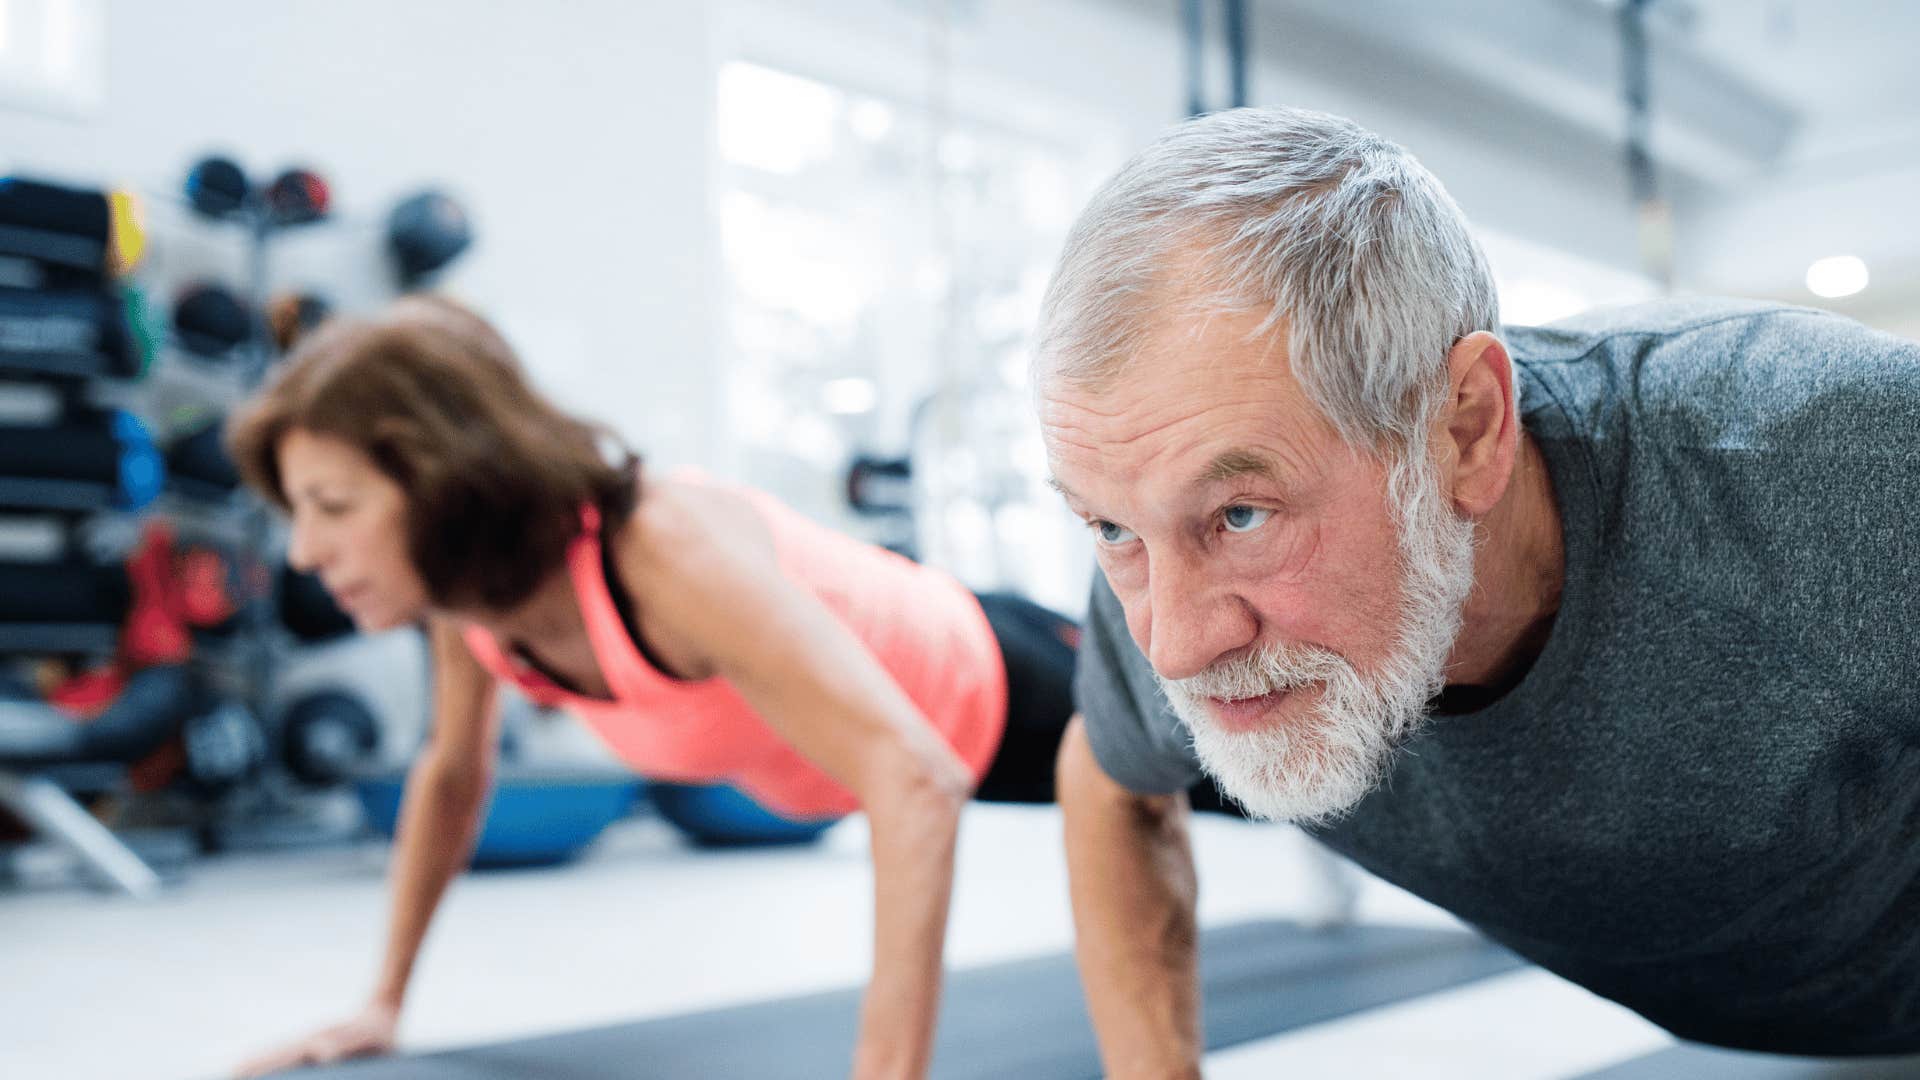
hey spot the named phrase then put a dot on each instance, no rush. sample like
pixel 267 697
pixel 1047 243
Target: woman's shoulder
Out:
pixel 681 520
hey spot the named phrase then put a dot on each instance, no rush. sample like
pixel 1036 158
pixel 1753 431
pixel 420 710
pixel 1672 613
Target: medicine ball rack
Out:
pixel 71 348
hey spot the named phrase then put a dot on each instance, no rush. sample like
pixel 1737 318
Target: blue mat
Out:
pixel 1024 1019
pixel 1707 1063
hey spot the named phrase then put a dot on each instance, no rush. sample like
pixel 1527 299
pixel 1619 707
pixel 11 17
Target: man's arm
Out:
pixel 1134 894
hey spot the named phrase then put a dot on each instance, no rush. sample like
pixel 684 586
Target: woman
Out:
pixel 706 633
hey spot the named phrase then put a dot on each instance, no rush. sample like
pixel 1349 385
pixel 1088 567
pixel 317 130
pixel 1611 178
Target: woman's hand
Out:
pixel 368 1033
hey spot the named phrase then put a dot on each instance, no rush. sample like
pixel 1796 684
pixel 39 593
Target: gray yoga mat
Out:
pixel 1022 1019
pixel 1707 1063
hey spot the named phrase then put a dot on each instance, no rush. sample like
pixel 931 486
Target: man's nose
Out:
pixel 1191 620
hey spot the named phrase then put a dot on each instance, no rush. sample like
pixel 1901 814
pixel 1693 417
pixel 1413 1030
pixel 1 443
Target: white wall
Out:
pixel 576 134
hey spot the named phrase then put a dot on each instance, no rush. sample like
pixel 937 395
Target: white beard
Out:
pixel 1317 769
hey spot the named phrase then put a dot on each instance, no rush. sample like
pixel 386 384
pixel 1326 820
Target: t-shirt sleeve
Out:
pixel 1134 734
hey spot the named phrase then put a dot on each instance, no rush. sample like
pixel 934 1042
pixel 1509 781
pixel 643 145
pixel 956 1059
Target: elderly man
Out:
pixel 1598 635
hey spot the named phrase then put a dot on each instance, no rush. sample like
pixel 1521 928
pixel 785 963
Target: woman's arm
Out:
pixel 446 788
pixel 711 580
pixel 439 819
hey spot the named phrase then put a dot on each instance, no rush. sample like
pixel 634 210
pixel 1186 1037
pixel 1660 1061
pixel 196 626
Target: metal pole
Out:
pixel 1196 27
pixel 48 807
pixel 1654 216
pixel 1236 18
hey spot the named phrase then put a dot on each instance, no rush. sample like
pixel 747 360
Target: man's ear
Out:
pixel 1477 435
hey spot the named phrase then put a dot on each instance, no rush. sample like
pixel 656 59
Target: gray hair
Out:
pixel 1305 216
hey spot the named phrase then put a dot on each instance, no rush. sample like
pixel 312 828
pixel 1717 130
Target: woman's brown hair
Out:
pixel 494 473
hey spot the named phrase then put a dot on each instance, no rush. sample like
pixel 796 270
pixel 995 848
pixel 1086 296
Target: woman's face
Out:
pixel 350 528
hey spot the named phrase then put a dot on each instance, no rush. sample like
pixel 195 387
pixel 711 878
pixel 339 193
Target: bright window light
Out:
pixel 849 396
pixel 870 120
pixel 775 122
pixel 63 44
pixel 1535 302
pixel 1836 276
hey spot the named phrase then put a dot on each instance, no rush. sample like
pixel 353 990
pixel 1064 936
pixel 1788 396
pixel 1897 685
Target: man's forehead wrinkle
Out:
pixel 1061 429
pixel 1239 462
pixel 1058 405
pixel 1067 441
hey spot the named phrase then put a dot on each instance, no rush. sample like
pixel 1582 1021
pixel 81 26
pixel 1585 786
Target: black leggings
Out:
pixel 1038 648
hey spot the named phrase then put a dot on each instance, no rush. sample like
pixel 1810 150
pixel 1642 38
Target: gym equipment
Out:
pixel 298 197
pixel 83 464
pixel 291 315
pixel 1687 1062
pixel 153 631
pixel 307 609
pixel 538 816
pixel 63 593
pixel 224 746
pixel 216 187
pixel 142 326
pixel 205 589
pixel 36 737
pixel 425 232
pixel 880 487
pixel 1021 1019
pixel 143 471
pixel 198 466
pixel 716 815
pixel 325 734
pixel 77 333
pixel 210 320
pixel 65 230
pixel 149 708
pixel 127 237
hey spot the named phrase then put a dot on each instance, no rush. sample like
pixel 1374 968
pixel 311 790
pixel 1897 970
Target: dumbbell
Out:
pixel 325 734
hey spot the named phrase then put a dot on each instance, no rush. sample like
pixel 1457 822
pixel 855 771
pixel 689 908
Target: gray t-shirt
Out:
pixel 1703 800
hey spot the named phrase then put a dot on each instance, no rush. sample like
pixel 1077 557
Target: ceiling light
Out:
pixel 1836 276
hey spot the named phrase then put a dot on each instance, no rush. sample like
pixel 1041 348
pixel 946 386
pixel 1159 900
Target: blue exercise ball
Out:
pixel 537 817
pixel 717 815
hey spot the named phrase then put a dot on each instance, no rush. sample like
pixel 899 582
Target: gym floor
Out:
pixel 262 946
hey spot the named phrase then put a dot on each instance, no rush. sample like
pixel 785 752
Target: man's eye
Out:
pixel 1111 534
pixel 1244 518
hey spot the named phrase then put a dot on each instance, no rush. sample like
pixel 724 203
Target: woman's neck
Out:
pixel 551 614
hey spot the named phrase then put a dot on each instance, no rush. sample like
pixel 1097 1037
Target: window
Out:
pixel 53 56
pixel 884 268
